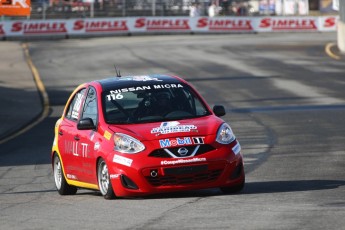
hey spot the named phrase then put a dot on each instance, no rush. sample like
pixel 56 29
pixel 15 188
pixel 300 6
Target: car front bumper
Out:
pixel 219 168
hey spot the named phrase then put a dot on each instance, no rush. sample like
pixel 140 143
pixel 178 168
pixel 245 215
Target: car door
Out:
pixel 69 140
pixel 89 138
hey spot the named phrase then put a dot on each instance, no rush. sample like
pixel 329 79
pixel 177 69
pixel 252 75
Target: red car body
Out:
pixel 106 146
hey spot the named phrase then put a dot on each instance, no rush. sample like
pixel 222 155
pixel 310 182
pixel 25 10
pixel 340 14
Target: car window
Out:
pixel 75 105
pixel 151 103
pixel 90 106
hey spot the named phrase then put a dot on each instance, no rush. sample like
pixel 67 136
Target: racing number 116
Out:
pixel 118 96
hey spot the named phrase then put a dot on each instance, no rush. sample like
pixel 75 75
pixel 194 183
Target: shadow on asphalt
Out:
pixel 250 188
pixel 258 188
pixel 290 186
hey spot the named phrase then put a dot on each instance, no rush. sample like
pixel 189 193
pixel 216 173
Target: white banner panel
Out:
pixel 168 25
pixel 328 23
pixel 222 24
pixel 283 24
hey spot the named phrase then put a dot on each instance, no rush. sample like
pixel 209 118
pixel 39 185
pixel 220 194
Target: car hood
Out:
pixel 202 126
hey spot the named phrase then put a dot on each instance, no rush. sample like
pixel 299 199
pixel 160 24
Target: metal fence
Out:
pixel 108 8
pixel 64 9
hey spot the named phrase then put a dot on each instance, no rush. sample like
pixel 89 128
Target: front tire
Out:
pixel 60 182
pixel 104 184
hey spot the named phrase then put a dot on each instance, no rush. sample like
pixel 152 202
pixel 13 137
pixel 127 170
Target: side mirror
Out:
pixel 85 124
pixel 219 110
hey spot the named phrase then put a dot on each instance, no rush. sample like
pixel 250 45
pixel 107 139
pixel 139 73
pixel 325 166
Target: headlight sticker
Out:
pixel 237 148
pixel 122 160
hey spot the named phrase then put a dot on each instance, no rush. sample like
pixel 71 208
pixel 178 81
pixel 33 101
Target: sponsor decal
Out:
pixel 147 87
pixel 288 24
pixel 225 24
pixel 139 78
pixel 77 105
pixel 173 127
pixel 107 135
pixel 15 7
pixel 162 24
pixel 183 161
pixel 131 89
pixel 114 176
pixel 237 148
pixel 101 25
pixel 167 86
pixel 39 27
pixel 122 160
pixel 198 140
pixel 114 96
pixel 181 141
pixel 76 148
pixel 71 176
pixel 97 146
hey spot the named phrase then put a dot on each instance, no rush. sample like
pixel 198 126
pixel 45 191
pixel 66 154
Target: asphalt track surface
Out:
pixel 285 100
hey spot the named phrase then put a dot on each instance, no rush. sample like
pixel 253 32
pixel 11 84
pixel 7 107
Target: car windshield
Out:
pixel 151 103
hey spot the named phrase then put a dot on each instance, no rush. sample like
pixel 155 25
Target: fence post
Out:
pixel 153 7
pixel 123 8
pixel 341 26
pixel 92 9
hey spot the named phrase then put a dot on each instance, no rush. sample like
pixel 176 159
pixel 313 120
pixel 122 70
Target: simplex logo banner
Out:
pixel 165 25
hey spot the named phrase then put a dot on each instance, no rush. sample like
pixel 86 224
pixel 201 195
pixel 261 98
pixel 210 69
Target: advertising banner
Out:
pixel 98 26
pixel 222 24
pixel 328 23
pixel 270 24
pixel 37 27
pixel 166 25
pixel 15 7
pixel 161 24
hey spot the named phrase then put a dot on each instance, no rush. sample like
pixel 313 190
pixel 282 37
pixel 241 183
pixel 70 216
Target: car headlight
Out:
pixel 225 134
pixel 127 144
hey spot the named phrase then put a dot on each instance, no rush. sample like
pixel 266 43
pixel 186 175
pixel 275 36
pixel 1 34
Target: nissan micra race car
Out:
pixel 141 135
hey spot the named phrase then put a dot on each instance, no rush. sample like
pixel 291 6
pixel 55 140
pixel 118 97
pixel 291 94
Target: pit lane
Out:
pixel 285 102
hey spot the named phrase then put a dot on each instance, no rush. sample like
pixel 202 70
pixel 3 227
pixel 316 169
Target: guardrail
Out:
pixel 163 25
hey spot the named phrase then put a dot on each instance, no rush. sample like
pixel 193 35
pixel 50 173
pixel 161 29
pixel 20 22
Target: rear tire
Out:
pixel 104 183
pixel 59 177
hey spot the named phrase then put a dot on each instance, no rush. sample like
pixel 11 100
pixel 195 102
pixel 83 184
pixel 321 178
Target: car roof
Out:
pixel 140 80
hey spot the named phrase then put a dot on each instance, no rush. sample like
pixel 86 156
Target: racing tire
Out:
pixel 104 183
pixel 61 184
pixel 233 189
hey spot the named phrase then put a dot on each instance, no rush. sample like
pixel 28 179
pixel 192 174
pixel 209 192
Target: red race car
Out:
pixel 141 135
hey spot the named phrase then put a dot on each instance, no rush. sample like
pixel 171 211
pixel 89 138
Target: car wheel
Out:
pixel 104 180
pixel 60 182
pixel 233 189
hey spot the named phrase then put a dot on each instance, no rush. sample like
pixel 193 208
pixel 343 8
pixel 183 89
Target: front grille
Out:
pixel 161 153
pixel 195 178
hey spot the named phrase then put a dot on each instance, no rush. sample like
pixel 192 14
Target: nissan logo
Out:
pixel 182 151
